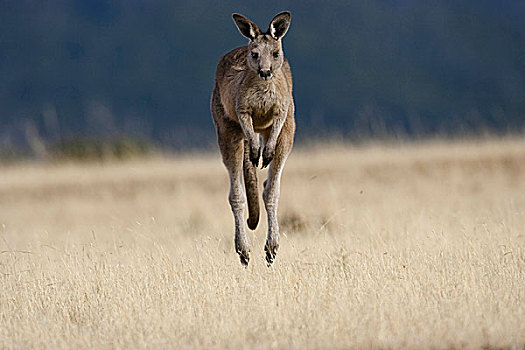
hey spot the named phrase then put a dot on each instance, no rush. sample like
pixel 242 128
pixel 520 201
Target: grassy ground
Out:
pixel 415 246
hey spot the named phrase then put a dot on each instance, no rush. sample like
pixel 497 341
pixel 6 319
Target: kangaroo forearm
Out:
pixel 277 126
pixel 246 122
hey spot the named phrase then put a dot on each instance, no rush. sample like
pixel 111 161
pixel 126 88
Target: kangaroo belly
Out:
pixel 263 118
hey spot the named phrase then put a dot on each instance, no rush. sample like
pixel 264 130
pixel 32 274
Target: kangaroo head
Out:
pixel 265 50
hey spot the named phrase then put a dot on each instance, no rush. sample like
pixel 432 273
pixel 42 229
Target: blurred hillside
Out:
pixel 362 68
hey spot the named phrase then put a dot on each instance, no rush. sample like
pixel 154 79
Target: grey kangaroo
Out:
pixel 252 98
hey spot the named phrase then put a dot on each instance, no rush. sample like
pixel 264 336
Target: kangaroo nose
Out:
pixel 265 73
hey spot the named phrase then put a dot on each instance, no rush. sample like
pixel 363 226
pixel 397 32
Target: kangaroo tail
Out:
pixel 250 183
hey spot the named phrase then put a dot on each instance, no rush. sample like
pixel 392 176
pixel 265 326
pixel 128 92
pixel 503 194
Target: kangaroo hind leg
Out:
pixel 230 139
pixel 272 187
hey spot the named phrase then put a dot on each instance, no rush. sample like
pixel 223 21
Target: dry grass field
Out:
pixel 405 246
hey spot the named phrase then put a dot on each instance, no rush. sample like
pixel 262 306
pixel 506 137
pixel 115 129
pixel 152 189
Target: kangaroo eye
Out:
pixel 276 54
pixel 255 55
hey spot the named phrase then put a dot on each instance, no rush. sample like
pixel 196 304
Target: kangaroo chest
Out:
pixel 264 104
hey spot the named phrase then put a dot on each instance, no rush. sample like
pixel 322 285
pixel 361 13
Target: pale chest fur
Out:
pixel 264 100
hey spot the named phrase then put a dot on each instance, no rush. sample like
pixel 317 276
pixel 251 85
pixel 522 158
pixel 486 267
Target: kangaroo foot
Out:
pixel 244 255
pixel 271 252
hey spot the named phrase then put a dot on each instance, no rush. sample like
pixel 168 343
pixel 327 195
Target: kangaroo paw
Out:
pixel 267 155
pixel 266 162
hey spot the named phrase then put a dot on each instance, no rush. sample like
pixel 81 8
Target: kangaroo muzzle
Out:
pixel 265 74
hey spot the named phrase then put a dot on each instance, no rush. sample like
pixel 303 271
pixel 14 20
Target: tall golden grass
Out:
pixel 404 246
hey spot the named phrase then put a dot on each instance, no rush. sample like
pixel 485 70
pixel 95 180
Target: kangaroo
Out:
pixel 253 98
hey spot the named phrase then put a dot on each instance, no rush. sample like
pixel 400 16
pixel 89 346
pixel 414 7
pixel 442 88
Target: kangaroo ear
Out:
pixel 246 27
pixel 279 25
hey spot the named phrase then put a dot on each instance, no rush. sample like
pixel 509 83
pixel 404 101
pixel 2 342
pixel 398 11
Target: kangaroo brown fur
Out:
pixel 252 98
